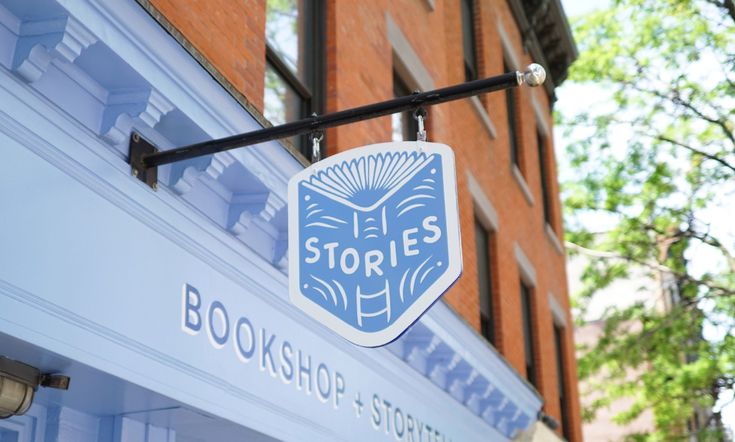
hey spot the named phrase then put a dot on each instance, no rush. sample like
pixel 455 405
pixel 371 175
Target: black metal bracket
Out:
pixel 138 148
pixel 31 376
pixel 144 158
pixel 57 381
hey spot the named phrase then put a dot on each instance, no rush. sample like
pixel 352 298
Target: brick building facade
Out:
pixel 367 45
pixel 513 291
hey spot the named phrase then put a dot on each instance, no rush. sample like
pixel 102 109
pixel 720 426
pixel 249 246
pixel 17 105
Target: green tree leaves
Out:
pixel 650 162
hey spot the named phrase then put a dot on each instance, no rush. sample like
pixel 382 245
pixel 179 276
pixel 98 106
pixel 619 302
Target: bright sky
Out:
pixel 579 7
pixel 571 97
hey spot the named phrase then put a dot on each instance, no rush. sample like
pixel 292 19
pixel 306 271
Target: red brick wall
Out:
pixel 229 34
pixel 359 71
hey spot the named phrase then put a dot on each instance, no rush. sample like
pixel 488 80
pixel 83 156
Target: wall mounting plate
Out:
pixel 139 147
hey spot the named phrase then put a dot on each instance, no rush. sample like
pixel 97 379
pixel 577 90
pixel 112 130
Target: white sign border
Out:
pixel 446 280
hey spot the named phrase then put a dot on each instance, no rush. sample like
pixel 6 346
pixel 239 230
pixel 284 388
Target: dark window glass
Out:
pixel 404 125
pixel 510 106
pixel 528 333
pixel 294 58
pixel 562 386
pixel 543 168
pixel 468 40
pixel 484 280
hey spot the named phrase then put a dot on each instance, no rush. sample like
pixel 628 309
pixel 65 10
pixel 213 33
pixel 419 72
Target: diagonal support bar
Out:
pixel 145 161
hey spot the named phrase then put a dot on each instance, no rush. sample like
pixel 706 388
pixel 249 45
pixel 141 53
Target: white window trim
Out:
pixel 511 57
pixel 510 53
pixel 484 209
pixel 522 184
pixel 551 234
pixel 540 120
pixel 405 60
pixel 484 116
pixel 557 312
pixel 527 271
pixel 546 132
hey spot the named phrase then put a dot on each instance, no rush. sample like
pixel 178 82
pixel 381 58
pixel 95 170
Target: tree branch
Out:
pixel 714 242
pixel 729 5
pixel 723 291
pixel 678 100
pixel 694 150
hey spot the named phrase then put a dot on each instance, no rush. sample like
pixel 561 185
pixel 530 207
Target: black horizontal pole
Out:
pixel 319 122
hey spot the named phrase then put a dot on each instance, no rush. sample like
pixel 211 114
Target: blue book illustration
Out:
pixel 373 237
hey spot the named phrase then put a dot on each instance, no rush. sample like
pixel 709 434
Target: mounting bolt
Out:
pixel 136 137
pixel 135 172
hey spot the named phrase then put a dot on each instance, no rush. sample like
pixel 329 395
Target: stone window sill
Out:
pixel 551 234
pixel 522 184
pixel 484 117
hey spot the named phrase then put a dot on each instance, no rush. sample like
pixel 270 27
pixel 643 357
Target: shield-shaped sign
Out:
pixel 374 238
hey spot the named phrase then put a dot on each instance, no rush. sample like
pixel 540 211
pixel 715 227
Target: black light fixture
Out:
pixel 18 385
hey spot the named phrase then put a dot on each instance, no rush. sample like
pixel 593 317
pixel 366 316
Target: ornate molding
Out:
pixel 240 191
pixel 547 36
pixel 157 106
pixel 445 367
pixel 40 42
pixel 76 39
pixel 250 209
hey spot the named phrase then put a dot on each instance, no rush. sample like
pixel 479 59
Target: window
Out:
pixel 294 58
pixel 483 247
pixel 529 349
pixel 563 403
pixel 510 107
pixel 543 168
pixel 404 124
pixel 468 40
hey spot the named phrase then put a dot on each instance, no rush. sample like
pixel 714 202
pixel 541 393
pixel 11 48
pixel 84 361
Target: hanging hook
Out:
pixel 316 152
pixel 420 115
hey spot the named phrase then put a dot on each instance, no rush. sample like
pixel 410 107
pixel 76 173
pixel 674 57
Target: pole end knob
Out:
pixel 534 75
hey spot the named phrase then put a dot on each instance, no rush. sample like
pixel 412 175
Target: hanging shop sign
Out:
pixel 374 238
pixel 373 232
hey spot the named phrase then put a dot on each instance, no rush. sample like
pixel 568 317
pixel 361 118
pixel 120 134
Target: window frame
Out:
pixel 471 67
pixel 511 110
pixel 488 323
pixel 559 346
pixel 311 90
pixel 529 344
pixel 544 175
pixel 411 127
